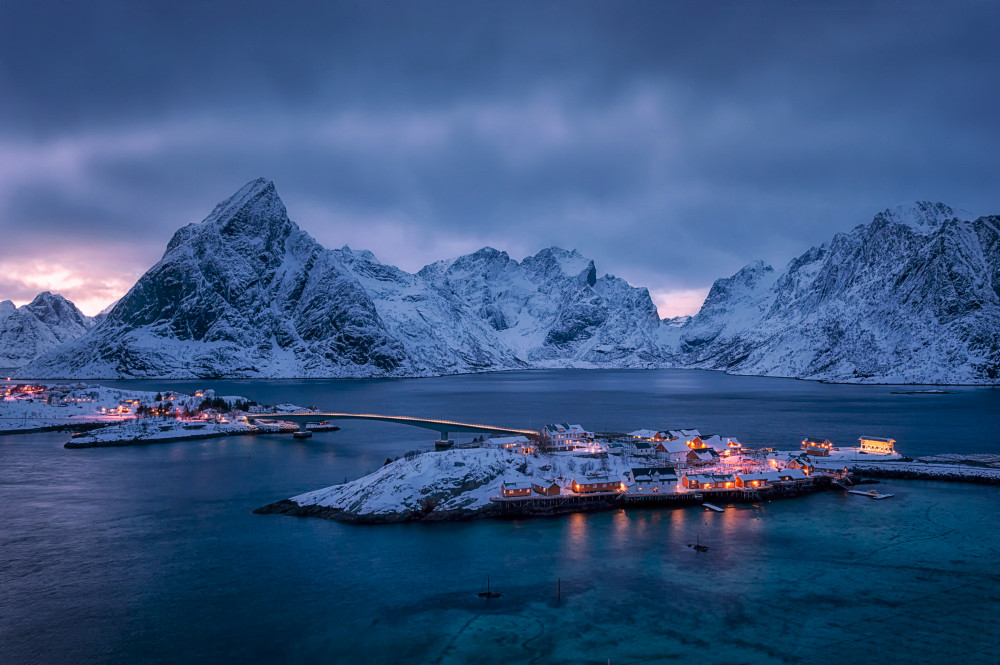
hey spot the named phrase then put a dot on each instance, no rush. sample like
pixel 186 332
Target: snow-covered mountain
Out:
pixel 553 309
pixel 912 297
pixel 246 293
pixel 43 324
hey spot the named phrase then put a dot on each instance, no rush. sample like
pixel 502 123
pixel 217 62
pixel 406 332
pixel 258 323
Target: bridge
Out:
pixel 442 426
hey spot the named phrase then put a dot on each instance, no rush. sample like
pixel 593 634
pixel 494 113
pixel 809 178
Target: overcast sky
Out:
pixel 672 142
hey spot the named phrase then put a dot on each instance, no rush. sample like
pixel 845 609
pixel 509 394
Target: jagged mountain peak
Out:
pixel 54 309
pixel 364 255
pixel 921 216
pixel 39 326
pixel 554 261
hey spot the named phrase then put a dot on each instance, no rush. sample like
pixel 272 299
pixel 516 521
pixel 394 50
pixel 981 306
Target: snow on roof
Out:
pixel 876 438
pixel 715 441
pixel 810 439
pixel 754 476
pixel 675 446
pixel 565 427
pixel 650 472
pixel 644 433
pixel 596 480
pixel 516 485
pixel 504 440
pixel 794 474
pixel 685 433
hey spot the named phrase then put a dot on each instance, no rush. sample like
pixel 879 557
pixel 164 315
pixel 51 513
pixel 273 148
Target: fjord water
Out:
pixel 151 554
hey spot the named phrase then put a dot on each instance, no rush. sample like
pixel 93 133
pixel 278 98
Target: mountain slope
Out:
pixel 246 293
pixel 553 309
pixel 43 324
pixel 912 297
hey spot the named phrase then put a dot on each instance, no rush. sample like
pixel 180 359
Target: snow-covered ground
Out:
pixel 461 482
pixel 453 480
pixel 154 429
pixel 52 405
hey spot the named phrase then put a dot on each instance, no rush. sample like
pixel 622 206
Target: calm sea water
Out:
pixel 151 554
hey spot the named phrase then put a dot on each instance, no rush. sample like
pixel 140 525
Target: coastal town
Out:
pixel 566 468
pixel 671 465
pixel 563 467
pixel 99 416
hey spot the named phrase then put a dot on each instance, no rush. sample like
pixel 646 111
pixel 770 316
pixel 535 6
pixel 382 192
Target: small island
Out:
pixel 99 416
pixel 569 469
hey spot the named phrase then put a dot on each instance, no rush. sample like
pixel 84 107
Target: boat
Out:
pixel 488 593
pixel 321 426
pixel 712 506
pixel 302 434
pixel 697 546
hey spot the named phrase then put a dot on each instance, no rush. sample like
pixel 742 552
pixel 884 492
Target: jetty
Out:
pixel 871 494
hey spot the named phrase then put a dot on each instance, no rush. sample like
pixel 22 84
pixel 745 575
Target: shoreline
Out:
pixel 366 377
pixel 119 443
pixel 912 474
pixel 71 427
pixel 541 507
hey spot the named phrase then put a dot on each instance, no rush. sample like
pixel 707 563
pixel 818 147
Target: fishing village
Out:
pixel 500 471
pixel 679 467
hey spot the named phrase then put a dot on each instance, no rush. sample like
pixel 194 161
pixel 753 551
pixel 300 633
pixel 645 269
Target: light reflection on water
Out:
pixel 151 554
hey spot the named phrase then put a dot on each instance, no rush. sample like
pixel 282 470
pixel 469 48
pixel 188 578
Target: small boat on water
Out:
pixel 321 426
pixel 488 593
pixel 712 506
pixel 871 494
pixel 697 546
pixel 302 434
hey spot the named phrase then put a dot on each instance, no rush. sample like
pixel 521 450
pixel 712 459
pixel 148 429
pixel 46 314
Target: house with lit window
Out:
pixel 512 443
pixel 546 487
pixel 828 467
pixel 873 444
pixel 652 480
pixel 708 481
pixel 650 435
pixel 685 434
pixel 702 457
pixel 676 451
pixel 512 489
pixel 753 480
pixel 596 484
pixel 802 462
pixel 563 436
pixel 817 446
pixel 788 475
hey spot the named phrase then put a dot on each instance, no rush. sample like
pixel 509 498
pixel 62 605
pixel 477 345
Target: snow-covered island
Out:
pixel 102 416
pixel 568 469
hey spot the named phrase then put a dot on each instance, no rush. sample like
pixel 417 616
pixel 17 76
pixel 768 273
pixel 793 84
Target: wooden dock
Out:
pixel 871 494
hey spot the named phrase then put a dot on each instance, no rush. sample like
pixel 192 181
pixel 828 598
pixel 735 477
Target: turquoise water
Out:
pixel 151 554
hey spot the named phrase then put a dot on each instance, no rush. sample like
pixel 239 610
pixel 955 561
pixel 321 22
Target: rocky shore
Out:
pixel 459 485
pixel 969 474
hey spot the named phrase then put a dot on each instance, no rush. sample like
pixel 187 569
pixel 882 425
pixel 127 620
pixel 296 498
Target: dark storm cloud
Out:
pixel 672 142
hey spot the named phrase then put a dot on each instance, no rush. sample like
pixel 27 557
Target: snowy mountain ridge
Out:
pixel 39 326
pixel 912 297
pixel 246 293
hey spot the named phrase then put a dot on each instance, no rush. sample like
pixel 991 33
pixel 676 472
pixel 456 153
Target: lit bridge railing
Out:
pixel 443 426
